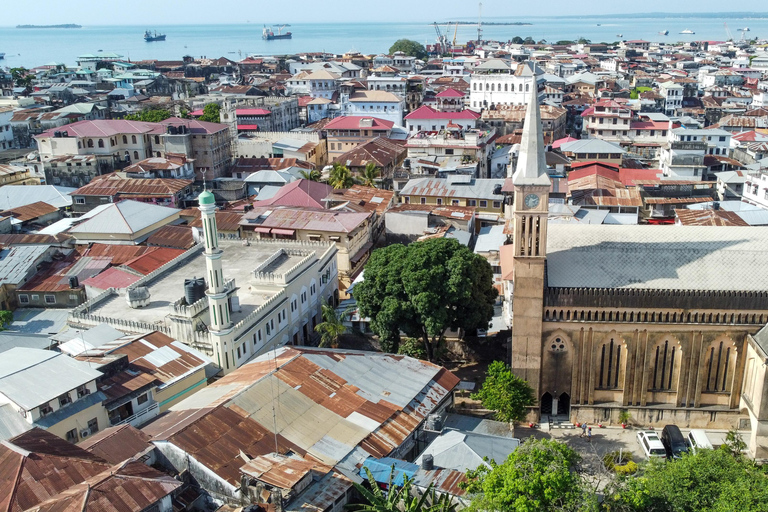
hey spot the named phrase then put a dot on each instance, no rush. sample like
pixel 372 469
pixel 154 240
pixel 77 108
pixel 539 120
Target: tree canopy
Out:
pixel 707 481
pixel 340 176
pixel 370 174
pixel 409 47
pixel 423 289
pixel 6 319
pixel 332 326
pixel 310 174
pixel 211 113
pixel 154 115
pixel 505 393
pixel 402 498
pixel 22 78
pixel 538 476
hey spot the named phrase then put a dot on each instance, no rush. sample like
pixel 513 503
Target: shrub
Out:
pixel 616 459
pixel 630 468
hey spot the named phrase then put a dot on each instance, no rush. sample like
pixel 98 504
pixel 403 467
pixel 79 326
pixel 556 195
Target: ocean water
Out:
pixel 34 47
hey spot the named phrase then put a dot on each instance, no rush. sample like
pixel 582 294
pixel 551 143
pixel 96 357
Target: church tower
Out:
pixel 529 213
pixel 218 302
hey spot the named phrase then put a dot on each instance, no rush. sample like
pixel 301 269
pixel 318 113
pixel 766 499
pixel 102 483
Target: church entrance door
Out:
pixel 564 405
pixel 546 404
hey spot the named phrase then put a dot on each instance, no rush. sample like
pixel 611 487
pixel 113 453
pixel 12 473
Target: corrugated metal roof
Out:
pixel 126 217
pixel 116 444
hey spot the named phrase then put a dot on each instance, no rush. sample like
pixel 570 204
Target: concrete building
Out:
pixel 348 132
pixel 426 118
pixel 452 148
pixel 497 82
pixel 382 104
pixel 673 96
pixel 260 295
pixel 112 188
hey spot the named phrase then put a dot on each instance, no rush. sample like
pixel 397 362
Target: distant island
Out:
pixel 64 25
pixel 487 23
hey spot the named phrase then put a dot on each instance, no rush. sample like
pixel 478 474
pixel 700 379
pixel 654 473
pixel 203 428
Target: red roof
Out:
pixel 252 127
pixel 450 93
pixel 629 176
pixel 599 168
pixel 560 142
pixel 197 113
pixel 427 112
pixel 649 125
pixel 252 112
pixel 588 111
pixel 304 193
pixel 152 260
pixel 355 123
pixel 304 100
pixel 112 278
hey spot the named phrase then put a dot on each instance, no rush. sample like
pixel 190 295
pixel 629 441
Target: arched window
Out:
pixel 720 361
pixel 520 87
pixel 493 87
pixel 90 143
pixel 666 366
pixel 157 139
pixel 474 86
pixel 505 87
pixel 611 359
pixel 136 155
pixel 133 139
pixel 101 143
pixel 527 87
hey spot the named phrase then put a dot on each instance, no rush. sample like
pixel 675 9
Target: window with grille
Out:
pixel 666 360
pixel 610 364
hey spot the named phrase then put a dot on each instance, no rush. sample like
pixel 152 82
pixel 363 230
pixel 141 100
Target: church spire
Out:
pixel 531 163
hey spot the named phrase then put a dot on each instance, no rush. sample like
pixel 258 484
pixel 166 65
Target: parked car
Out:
pixel 651 444
pixel 674 441
pixel 698 440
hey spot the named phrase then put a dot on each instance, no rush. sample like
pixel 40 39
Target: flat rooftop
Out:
pixel 239 262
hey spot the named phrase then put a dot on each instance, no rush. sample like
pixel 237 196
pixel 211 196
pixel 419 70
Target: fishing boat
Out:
pixel 687 31
pixel 745 29
pixel 619 35
pixel 268 34
pixel 150 37
pixel 664 33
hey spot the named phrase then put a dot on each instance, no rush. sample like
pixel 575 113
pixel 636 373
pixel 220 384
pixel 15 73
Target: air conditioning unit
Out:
pixel 85 433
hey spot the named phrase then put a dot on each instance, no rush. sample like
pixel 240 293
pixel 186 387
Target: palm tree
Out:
pixel 340 177
pixel 311 175
pixel 370 174
pixel 332 326
pixel 400 498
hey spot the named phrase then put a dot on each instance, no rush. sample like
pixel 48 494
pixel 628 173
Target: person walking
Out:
pixel 589 434
pixel 583 430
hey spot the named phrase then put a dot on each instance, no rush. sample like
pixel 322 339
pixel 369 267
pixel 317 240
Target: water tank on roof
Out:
pixel 57 134
pixel 172 130
pixel 194 289
pixel 65 134
pixel 73 282
pixel 497 188
pixel 427 462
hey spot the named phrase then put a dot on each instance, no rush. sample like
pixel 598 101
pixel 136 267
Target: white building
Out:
pixel 257 295
pixel 673 94
pixel 718 141
pixel 495 82
pixel 756 189
pixel 381 104
pixel 6 132
pixel 318 84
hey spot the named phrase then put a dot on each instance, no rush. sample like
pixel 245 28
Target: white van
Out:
pixel 697 439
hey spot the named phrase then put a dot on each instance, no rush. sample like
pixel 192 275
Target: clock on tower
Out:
pixel 531 201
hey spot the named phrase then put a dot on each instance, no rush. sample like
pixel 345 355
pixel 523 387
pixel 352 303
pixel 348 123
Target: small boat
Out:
pixel 619 35
pixel 268 34
pixel 2 56
pixel 687 31
pixel 664 33
pixel 745 29
pixel 150 37
pixel 598 24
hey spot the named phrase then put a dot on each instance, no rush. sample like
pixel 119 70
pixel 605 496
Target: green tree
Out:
pixel 340 176
pixel 400 498
pixel 565 42
pixel 409 47
pixel 734 444
pixel 518 40
pixel 154 115
pixel 6 319
pixel 22 78
pixel 424 289
pixel 211 113
pixel 311 174
pixel 707 481
pixel 332 326
pixel 529 40
pixel 538 476
pixel 503 392
pixel 370 174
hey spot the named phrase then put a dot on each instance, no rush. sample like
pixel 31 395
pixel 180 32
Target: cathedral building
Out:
pixel 664 322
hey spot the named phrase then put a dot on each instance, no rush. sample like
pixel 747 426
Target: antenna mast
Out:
pixel 480 23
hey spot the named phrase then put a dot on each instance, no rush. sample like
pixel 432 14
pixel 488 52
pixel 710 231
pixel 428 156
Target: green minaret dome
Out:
pixel 206 198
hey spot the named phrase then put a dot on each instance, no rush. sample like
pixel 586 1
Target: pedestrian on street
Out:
pixel 589 434
pixel 583 429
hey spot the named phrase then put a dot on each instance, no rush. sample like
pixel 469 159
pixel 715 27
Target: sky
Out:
pixel 167 12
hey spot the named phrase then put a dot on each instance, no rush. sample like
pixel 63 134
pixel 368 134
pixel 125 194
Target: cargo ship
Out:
pixel 268 34
pixel 149 37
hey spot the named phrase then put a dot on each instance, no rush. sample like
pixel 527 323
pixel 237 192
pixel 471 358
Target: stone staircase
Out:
pixel 559 422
